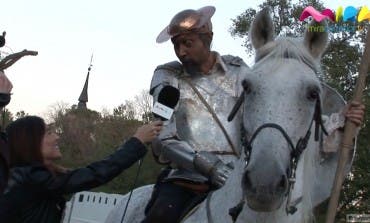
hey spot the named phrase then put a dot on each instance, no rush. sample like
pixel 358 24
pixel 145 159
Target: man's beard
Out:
pixel 191 66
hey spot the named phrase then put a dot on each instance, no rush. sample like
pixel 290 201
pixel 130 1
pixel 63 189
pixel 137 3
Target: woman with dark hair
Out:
pixel 37 185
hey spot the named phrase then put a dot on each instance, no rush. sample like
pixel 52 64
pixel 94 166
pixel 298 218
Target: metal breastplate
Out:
pixel 194 122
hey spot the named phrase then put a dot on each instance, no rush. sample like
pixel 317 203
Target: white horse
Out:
pixel 281 104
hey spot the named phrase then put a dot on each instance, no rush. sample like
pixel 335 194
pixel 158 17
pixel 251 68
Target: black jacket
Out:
pixel 4 161
pixel 35 195
pixel 4 153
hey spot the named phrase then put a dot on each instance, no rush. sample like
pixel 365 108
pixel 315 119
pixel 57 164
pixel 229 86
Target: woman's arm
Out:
pixel 91 176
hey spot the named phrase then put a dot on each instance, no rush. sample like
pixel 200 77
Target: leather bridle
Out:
pixel 296 150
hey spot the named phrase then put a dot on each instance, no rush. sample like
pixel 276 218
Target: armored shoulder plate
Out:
pixel 166 74
pixel 233 60
pixel 173 66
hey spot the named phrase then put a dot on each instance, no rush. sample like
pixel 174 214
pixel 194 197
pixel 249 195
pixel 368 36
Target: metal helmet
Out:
pixel 187 21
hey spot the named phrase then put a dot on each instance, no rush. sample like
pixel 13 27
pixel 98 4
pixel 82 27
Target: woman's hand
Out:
pixel 148 132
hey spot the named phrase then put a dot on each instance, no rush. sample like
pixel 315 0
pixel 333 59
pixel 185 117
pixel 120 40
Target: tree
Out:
pixel 126 110
pixel 5 117
pixel 88 136
pixel 345 46
pixel 56 111
pixel 143 104
pixel 20 114
pixel 285 16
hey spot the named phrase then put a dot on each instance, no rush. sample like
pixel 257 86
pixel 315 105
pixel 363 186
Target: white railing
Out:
pixel 90 207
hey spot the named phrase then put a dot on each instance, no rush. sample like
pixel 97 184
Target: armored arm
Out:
pixel 181 155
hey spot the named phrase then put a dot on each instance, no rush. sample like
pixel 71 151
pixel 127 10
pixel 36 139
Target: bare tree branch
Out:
pixel 12 58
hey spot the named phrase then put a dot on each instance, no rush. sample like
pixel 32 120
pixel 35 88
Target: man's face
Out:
pixel 190 50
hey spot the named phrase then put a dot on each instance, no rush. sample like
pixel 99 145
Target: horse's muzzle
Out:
pixel 265 197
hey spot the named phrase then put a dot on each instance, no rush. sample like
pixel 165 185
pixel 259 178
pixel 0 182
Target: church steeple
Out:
pixel 83 96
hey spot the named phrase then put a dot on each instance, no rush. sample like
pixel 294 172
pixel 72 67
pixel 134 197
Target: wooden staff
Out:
pixel 349 134
pixel 12 58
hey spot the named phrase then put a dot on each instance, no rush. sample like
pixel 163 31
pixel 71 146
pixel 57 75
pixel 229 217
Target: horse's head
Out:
pixel 281 100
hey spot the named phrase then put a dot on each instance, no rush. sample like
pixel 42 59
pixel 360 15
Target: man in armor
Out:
pixel 196 141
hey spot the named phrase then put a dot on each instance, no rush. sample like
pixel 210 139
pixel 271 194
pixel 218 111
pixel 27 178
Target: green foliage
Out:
pixel 77 131
pixel 5 117
pixel 285 16
pixel 125 111
pixel 355 197
pixel 241 25
pixel 125 181
pixel 341 76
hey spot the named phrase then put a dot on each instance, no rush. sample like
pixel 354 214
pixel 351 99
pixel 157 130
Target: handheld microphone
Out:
pixel 2 39
pixel 168 98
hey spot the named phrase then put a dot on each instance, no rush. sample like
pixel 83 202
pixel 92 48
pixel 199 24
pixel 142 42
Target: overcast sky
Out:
pixel 120 34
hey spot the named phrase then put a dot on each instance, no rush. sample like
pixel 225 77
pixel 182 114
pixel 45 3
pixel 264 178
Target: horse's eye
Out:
pixel 246 86
pixel 312 94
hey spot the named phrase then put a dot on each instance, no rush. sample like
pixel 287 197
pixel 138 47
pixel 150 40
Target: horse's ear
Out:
pixel 316 38
pixel 262 29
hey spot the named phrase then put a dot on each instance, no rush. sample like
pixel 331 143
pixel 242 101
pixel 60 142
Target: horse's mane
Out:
pixel 285 48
